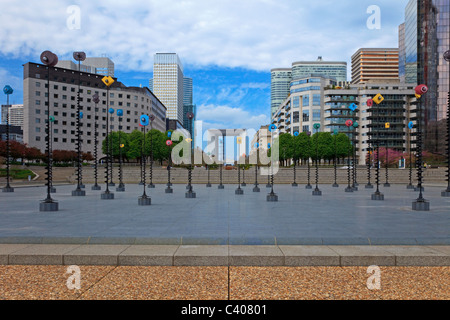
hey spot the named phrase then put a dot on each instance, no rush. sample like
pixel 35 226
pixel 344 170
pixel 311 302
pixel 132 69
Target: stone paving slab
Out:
pixel 223 255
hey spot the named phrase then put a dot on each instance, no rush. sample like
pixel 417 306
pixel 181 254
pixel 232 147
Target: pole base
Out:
pixel 120 189
pixel 369 186
pixel 349 189
pixel 421 205
pixel 78 193
pixel 335 185
pixel 151 186
pixel 208 185
pixel 317 192
pixel 308 186
pixel 256 189
pixel 221 186
pixel 144 201
pixel 294 184
pixel 387 185
pixel 239 191
pixel 272 197
pixel 445 193
pixel 190 194
pixel 8 189
pixel 48 206
pixel 378 196
pixel 410 187
pixel 107 196
pixel 96 188
pixel 169 190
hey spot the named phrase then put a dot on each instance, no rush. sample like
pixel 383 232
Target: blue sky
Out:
pixel 227 46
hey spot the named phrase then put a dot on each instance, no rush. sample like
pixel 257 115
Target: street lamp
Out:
pixel 96 100
pixel 7 90
pixel 144 200
pixel 47 205
pixel 446 193
pixel 79 56
pixel 121 187
pixel 107 195
pixel 190 193
pixel 420 204
pixel 316 191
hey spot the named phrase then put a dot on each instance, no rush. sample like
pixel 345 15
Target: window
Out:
pixel 306 100
pixel 38 84
pixel 38 120
pixel 305 115
pixel 316 99
pixel 316 115
pixel 305 129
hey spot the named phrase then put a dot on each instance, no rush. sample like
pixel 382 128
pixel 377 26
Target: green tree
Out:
pixel 135 140
pixel 286 147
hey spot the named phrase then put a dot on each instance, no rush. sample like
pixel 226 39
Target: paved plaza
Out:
pixel 220 217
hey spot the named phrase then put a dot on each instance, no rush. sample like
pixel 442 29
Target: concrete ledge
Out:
pixel 223 255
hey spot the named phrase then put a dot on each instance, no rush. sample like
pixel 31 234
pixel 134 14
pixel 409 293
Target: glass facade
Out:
pixel 280 84
pixel 401 53
pixel 333 70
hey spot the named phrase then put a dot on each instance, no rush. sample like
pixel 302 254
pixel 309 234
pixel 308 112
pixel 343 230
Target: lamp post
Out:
pixel 272 197
pixel 294 184
pixel 107 195
pixel 152 118
pixel 96 100
pixel 335 184
pixel 169 184
pixel 121 187
pixel 446 193
pixel 144 200
pixel 50 60
pixel 420 204
pixel 190 193
pixel 79 56
pixel 7 90
pixel 256 188
pixel 316 191
pixel 377 195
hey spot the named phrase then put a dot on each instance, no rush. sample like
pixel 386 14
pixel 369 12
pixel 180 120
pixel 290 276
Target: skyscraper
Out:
pixel 167 84
pixel 401 53
pixel 375 64
pixel 279 87
pixel 187 91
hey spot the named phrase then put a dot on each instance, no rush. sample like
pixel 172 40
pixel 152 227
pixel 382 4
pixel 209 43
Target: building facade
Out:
pixel 98 65
pixel 375 64
pixel 134 102
pixel 15 115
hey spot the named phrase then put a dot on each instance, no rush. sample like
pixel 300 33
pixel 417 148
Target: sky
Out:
pixel 228 47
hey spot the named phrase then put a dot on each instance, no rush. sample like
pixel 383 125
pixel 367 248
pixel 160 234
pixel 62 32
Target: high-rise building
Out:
pixel 134 101
pixel 282 79
pixel 375 64
pixel 187 91
pixel 98 65
pixel 168 84
pixel 427 37
pixel 15 115
pixel 401 53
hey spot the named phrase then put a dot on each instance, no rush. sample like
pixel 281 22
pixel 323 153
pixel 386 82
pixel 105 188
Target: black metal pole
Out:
pixel 335 184
pixel 317 191
pixel 420 204
pixel 8 188
pixel 144 200
pixel 107 195
pixel 354 184
pixel 78 192
pixel 369 163
pixel 377 195
pixel 446 193
pixel 387 184
pixel 151 185
pixel 96 186
pixel 221 186
pixel 349 187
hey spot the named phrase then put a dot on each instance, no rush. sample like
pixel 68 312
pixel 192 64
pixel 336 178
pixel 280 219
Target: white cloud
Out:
pixel 253 34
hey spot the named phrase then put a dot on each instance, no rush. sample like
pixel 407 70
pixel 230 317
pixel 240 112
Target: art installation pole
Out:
pixel 294 184
pixel 169 165
pixel 272 197
pixel 221 186
pixel 349 124
pixel 387 184
pixel 121 187
pixel 96 100
pixel 152 118
pixel 309 186
pixel 420 204
pixel 446 193
pixel 47 205
pixel 190 193
pixel 316 191
pixel 144 200
pixel 377 195
pixel 107 195
pixel 256 188
pixel 79 56
pixel 239 191
pixel 335 184
pixel 370 142
pixel 52 120
pixel 355 184
pixel 7 90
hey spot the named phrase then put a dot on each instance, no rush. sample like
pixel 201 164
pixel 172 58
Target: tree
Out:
pixel 303 146
pixel 134 149
pixel 286 147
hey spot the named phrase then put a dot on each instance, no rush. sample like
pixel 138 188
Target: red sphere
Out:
pixel 421 89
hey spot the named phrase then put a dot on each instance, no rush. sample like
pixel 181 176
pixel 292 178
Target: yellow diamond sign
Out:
pixel 378 99
pixel 108 81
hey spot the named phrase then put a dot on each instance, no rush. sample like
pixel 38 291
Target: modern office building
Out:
pixel 187 91
pixel 282 79
pixel 375 64
pixel 401 53
pixel 427 37
pixel 15 133
pixel 15 115
pixel 321 100
pixel 168 82
pixel 134 102
pixel 98 65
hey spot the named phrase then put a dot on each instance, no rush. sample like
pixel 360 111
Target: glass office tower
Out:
pixel 279 87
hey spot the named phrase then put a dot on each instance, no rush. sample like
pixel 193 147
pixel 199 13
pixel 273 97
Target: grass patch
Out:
pixel 21 174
